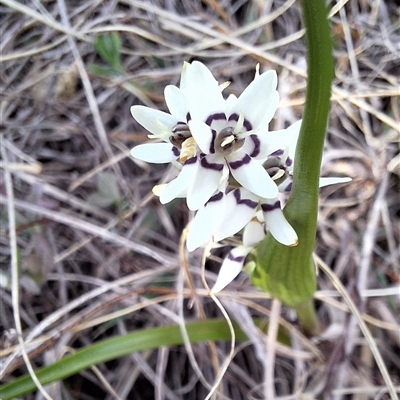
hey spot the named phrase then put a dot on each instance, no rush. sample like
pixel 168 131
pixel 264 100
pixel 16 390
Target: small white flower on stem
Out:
pixel 234 260
pixel 232 212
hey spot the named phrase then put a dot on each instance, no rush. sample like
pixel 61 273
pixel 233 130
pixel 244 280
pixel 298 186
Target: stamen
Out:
pixel 164 131
pixel 285 155
pixel 245 134
pixel 188 149
pixel 239 124
pixel 224 85
pixel 278 175
pixel 227 140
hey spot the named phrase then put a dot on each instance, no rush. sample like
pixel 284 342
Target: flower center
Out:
pixel 276 170
pixel 228 141
pixel 180 133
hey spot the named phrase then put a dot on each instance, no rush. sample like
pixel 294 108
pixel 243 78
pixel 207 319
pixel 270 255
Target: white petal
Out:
pixel 259 100
pixel 231 102
pixel 155 121
pixel 277 224
pixel 177 102
pixel 224 181
pixel 179 186
pixel 202 135
pixel 203 92
pixel 240 208
pixel 332 181
pixel 205 182
pixel 270 111
pixel 205 222
pixel 279 140
pixel 158 153
pixel 231 268
pixel 252 147
pixel 251 175
pixel 253 234
pixel 184 75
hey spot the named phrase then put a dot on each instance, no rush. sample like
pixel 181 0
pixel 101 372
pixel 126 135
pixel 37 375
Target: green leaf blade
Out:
pixel 108 46
pixel 110 349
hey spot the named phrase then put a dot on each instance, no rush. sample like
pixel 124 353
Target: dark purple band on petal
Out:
pixel 270 207
pixel 288 188
pixel 277 153
pixel 289 162
pixel 214 166
pixel 246 123
pixel 239 259
pixel 257 146
pixel 191 160
pixel 175 151
pixel 212 144
pixel 188 117
pixel 233 117
pixel 216 197
pixel 215 117
pixel 246 202
pixel 237 164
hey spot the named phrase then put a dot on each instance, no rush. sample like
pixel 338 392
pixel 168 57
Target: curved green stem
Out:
pixel 288 273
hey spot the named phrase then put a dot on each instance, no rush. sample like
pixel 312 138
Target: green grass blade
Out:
pixel 110 349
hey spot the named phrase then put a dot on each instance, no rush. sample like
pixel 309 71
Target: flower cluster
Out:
pixel 231 168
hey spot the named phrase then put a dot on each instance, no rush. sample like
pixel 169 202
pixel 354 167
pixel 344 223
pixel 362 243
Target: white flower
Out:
pixel 228 214
pixel 211 136
pixel 170 128
pixel 233 263
pixel 230 134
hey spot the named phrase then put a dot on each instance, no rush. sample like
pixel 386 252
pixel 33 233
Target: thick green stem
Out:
pixel 307 317
pixel 288 273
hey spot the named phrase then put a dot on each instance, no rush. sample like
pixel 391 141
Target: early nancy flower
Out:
pixel 231 167
pixel 211 136
pixel 229 133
